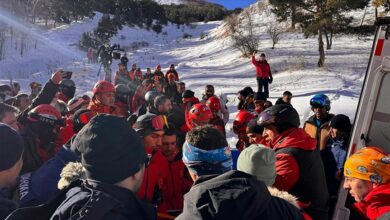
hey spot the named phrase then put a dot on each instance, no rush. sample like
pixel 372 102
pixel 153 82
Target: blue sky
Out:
pixel 231 4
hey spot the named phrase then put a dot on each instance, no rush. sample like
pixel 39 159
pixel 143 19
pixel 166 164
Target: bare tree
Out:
pixel 275 29
pixel 243 35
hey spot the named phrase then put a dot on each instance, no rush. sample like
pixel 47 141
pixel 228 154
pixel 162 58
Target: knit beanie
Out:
pixel 11 147
pixel 342 123
pixel 259 161
pixel 110 150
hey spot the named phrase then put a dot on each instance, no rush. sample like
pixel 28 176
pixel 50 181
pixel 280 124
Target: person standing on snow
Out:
pixel 263 73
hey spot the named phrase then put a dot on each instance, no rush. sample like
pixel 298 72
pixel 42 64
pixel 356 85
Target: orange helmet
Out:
pixel 214 104
pixel 241 121
pixel 198 115
pixel 47 114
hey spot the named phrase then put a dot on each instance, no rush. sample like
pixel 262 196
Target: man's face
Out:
pixel 254 138
pixel 181 88
pixel 166 107
pixel 357 188
pixel 24 102
pixel 106 98
pixel 209 92
pixel 270 133
pixel 287 98
pixel 320 112
pixel 121 67
pixel 10 119
pixel 168 147
pixel 154 140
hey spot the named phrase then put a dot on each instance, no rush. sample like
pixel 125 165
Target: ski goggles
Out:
pixel 48 119
pixel 266 119
pixel 159 122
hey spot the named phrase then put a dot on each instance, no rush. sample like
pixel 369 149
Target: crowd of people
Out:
pixel 145 147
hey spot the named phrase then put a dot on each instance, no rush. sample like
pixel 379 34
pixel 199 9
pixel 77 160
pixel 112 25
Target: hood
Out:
pixel 71 172
pixel 227 196
pixel 295 138
pixel 284 195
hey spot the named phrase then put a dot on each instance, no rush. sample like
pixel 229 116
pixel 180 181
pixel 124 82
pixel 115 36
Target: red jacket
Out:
pixel 376 203
pixel 287 170
pixel 181 183
pixel 156 182
pixel 263 69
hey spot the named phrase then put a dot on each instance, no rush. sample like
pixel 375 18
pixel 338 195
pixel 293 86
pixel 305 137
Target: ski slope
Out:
pixel 210 60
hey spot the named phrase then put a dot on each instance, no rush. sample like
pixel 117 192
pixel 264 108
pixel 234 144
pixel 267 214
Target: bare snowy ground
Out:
pixel 206 61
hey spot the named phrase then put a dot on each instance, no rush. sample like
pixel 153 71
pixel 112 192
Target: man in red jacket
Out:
pixel 263 73
pixel 103 100
pixel 367 178
pixel 299 168
pixel 156 186
pixel 178 173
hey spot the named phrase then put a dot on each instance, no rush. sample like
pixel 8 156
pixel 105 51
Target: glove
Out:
pixel 270 80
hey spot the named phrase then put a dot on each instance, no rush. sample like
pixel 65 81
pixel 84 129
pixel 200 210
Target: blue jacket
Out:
pixel 6 204
pixel 39 186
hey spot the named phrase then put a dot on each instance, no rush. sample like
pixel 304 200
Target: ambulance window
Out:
pixel 379 133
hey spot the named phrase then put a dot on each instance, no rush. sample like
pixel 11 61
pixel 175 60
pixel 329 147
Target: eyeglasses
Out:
pixel 159 122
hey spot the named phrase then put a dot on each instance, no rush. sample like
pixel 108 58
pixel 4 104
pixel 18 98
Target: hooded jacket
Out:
pixel 299 170
pixel 38 187
pixel 6 204
pixel 234 195
pixel 89 200
pixel 376 203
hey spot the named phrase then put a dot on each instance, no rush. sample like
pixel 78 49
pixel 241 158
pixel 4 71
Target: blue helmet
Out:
pixel 320 101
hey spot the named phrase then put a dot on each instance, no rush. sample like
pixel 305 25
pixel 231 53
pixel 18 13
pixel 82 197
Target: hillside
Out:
pixel 210 60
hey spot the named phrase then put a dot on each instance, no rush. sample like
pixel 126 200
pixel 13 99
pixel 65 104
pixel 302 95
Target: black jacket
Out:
pixel 234 195
pixel 6 204
pixel 90 200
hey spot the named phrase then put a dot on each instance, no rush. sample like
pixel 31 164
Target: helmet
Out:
pixel 282 116
pixel 320 100
pixel 150 96
pixel 158 66
pixel 241 121
pixel 122 89
pixel 214 104
pixel 67 83
pixel 47 114
pixel 103 86
pixel 199 114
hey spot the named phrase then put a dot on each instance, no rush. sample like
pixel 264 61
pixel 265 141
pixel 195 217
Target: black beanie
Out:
pixel 342 123
pixel 188 94
pixel 11 147
pixel 253 127
pixel 110 150
pixel 144 125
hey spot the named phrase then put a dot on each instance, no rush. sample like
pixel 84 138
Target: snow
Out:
pixel 210 60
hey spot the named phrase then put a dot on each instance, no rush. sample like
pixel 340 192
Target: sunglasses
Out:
pixel 159 122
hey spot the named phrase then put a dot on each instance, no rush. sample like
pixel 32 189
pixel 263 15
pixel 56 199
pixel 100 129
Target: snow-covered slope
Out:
pixel 211 60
